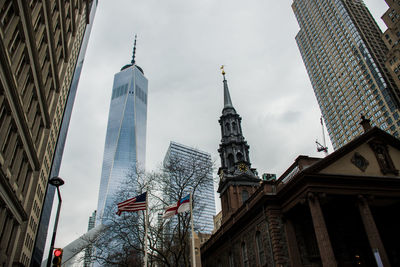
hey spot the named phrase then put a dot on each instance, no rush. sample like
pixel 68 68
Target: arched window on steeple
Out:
pixel 231 160
pixel 239 156
pixel 228 127
pixel 234 127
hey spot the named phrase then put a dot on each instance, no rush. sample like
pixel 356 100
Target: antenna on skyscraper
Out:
pixel 320 147
pixel 134 51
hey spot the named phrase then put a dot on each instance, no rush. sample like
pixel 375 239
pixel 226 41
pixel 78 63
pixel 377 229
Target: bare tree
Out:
pixel 121 243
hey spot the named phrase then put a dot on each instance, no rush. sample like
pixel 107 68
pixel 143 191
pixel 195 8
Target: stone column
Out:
pixel 274 220
pixel 321 233
pixel 372 232
pixel 294 254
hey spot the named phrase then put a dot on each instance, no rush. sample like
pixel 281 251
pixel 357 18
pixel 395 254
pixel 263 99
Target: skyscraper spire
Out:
pixel 134 51
pixel 133 61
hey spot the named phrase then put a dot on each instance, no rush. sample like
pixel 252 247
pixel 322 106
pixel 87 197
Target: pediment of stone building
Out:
pixel 362 160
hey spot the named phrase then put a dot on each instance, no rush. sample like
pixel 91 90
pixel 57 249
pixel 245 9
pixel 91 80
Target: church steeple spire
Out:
pixel 235 167
pixel 227 96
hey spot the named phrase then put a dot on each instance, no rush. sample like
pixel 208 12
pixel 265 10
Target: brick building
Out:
pixel 341 210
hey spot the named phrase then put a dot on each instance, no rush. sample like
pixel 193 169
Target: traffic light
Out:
pixel 58 252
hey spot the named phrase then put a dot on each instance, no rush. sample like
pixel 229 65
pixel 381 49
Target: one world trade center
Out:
pixel 125 145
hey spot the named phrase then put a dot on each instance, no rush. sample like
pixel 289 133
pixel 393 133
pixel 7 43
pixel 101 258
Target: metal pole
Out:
pixel 55 228
pixel 146 222
pixel 191 219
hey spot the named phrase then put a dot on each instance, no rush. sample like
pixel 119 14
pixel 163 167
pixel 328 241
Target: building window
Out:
pixel 244 255
pixel 234 128
pixel 239 156
pixel 245 196
pixel 260 249
pixel 231 160
pixel 228 127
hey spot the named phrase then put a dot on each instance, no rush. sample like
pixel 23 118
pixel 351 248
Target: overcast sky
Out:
pixel 181 46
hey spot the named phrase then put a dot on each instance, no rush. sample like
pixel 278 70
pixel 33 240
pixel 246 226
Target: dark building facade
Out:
pixel 341 210
pixel 40 41
pixel 59 150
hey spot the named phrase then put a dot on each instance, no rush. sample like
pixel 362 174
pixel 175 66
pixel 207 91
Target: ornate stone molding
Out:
pixel 383 157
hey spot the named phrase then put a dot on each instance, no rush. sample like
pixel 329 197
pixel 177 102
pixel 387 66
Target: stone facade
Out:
pixel 320 212
pixel 39 44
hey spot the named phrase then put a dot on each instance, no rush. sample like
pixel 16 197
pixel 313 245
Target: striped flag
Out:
pixel 184 204
pixel 133 204
pixel 170 211
pixel 181 206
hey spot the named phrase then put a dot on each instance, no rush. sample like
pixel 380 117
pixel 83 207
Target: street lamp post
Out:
pixel 57 182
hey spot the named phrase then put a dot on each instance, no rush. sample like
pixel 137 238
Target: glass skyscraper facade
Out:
pixel 204 202
pixel 344 54
pixel 87 262
pixel 125 145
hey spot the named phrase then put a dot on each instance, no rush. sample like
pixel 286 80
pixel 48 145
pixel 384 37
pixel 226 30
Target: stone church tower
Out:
pixel 237 179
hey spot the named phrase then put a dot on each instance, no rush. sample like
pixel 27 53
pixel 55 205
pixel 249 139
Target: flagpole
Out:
pixel 146 222
pixel 191 219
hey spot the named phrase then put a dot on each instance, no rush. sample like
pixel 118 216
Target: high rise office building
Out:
pixel 344 54
pixel 39 47
pixel 59 150
pixel 391 37
pixel 204 207
pixel 87 262
pixel 125 145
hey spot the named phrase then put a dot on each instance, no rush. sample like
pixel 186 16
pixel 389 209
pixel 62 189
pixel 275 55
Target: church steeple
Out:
pixel 235 167
pixel 227 96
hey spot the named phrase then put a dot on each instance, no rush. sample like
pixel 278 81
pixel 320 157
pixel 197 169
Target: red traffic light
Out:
pixel 57 252
pixel 57 257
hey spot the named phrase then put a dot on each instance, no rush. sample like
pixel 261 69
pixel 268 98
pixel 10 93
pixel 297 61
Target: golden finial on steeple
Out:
pixel 223 71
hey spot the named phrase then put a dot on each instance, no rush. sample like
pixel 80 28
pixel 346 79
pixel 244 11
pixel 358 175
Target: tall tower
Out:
pixel 87 262
pixel 204 208
pixel 39 47
pixel 343 52
pixel 237 179
pixel 125 145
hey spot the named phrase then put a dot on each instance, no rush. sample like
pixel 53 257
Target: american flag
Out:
pixel 133 204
